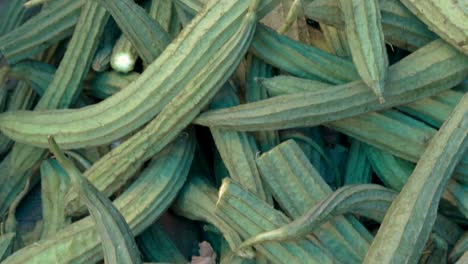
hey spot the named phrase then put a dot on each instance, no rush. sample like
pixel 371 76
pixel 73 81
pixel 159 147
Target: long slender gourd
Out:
pixel 446 18
pixel 257 68
pixel 66 84
pixel 286 168
pixel 54 186
pixel 108 120
pixel 419 75
pixel 183 108
pixel 400 27
pixel 299 59
pixel 371 127
pixel 39 32
pixel 117 240
pixel 363 28
pixel 434 109
pixel 141 204
pixel 249 215
pixel 369 200
pixel 409 220
pixel 237 149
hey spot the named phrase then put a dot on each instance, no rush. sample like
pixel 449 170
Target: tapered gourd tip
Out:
pixel 54 148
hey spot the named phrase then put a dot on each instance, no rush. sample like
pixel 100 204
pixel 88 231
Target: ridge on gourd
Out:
pixel 189 55
pixel 363 28
pixel 418 75
pixel 117 240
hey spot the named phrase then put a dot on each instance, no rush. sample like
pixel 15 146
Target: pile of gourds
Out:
pixel 276 131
